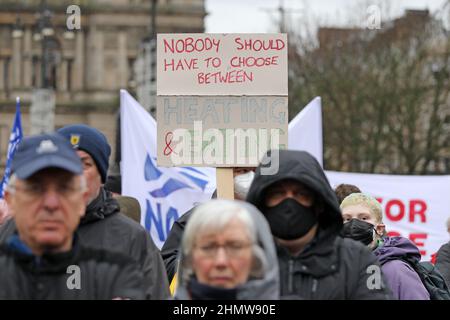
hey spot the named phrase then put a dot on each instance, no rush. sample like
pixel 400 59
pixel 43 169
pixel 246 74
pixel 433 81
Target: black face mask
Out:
pixel 200 291
pixel 358 230
pixel 290 220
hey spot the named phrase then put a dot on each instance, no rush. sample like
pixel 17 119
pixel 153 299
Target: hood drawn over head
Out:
pixel 305 169
pixel 265 287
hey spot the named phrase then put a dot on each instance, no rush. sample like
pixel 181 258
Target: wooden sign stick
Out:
pixel 225 183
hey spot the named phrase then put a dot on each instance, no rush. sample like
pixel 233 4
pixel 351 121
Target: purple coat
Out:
pixel 401 278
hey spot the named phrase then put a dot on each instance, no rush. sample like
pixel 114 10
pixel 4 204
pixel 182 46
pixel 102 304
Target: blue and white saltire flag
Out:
pixel 14 139
pixel 163 193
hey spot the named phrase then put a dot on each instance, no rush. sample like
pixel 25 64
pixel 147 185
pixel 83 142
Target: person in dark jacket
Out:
pixel 305 220
pixel 363 222
pixel 243 177
pixel 443 262
pixel 129 206
pixel 103 225
pixel 43 258
pixel 443 258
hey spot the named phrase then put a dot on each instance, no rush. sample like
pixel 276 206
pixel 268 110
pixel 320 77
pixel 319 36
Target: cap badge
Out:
pixel 75 140
pixel 46 146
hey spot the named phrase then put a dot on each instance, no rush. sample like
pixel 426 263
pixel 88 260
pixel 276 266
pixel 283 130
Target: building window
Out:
pixel 34 71
pixel 4 138
pixel 53 80
pixel 69 74
pixel 131 75
pixel 6 77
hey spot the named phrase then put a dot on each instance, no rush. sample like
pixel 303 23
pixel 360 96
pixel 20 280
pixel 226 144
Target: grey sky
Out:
pixel 259 16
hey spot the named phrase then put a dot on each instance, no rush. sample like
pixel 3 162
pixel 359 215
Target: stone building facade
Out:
pixel 89 65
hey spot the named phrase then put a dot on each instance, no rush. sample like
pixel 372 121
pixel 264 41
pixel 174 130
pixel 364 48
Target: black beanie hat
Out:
pixel 92 141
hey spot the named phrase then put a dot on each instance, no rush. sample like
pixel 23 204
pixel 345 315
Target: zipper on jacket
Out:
pixel 291 276
pixel 314 287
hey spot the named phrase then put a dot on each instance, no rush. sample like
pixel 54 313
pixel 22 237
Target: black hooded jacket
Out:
pixel 329 267
pixel 170 248
pixel 443 262
pixel 104 227
pixel 81 273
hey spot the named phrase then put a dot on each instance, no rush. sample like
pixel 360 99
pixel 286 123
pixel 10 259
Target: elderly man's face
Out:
pixel 223 259
pixel 47 208
pixel 93 177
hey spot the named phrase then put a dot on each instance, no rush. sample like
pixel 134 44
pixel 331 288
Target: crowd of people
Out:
pixel 66 232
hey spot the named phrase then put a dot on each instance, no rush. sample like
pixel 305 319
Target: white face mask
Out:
pixel 242 184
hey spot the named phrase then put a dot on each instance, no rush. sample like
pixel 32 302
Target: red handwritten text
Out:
pixel 189 45
pixel 180 64
pixel 241 62
pixel 258 45
pixel 225 77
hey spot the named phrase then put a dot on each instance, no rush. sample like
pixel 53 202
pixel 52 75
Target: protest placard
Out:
pixel 221 98
pixel 222 64
pixel 219 131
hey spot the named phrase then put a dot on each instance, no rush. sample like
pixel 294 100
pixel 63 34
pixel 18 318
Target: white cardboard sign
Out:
pixel 219 131
pixel 222 64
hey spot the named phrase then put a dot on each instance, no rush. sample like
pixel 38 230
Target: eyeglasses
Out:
pixel 232 249
pixel 35 191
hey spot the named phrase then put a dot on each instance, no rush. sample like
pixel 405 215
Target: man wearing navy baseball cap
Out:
pixel 41 162
pixel 47 196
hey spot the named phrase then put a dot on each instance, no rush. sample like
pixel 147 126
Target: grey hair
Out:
pixel 83 183
pixel 11 183
pixel 213 216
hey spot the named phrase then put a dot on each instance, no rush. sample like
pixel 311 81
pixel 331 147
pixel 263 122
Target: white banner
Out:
pixel 415 207
pixel 163 193
pixel 305 130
